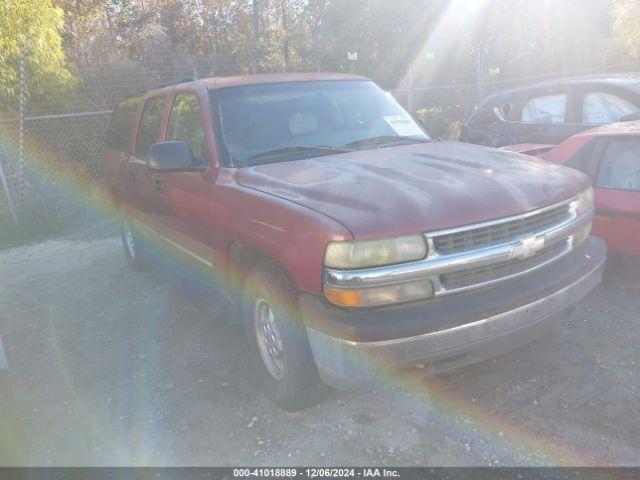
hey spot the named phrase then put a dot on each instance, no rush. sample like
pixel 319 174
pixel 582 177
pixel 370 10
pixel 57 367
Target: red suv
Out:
pixel 314 208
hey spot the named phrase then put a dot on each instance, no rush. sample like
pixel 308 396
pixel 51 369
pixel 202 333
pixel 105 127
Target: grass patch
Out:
pixel 12 235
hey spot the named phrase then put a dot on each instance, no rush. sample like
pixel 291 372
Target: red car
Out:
pixel 313 208
pixel 610 156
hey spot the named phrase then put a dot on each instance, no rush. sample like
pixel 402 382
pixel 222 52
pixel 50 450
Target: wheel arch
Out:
pixel 242 258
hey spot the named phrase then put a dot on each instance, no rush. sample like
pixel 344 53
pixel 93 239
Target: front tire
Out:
pixel 131 246
pixel 278 338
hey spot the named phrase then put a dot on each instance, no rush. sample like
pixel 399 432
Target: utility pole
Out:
pixel 256 36
pixel 410 103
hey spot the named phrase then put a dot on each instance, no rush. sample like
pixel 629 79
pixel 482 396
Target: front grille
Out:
pixel 479 275
pixel 499 233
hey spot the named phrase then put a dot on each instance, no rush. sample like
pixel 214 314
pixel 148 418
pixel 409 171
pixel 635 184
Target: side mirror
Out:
pixel 171 156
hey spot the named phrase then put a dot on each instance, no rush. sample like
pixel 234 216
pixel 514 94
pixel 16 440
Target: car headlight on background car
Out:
pixel 584 202
pixel 375 253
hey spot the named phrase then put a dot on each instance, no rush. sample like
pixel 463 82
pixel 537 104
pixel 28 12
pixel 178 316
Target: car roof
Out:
pixel 629 80
pixel 214 83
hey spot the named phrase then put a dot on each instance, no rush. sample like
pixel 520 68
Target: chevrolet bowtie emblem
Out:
pixel 527 248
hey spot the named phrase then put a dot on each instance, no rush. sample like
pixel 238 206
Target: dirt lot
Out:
pixel 112 367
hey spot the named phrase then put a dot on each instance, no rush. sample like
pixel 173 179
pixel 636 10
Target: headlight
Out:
pixel 375 253
pixel 584 202
pixel 384 295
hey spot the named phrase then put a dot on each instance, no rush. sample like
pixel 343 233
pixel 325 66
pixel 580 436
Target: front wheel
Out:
pixel 278 338
pixel 131 246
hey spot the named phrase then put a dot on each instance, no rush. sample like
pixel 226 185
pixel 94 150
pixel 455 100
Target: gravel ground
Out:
pixel 111 367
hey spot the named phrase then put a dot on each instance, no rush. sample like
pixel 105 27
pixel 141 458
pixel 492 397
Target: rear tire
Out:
pixel 278 339
pixel 131 246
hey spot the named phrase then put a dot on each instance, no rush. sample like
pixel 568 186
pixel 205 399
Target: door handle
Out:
pixel 132 177
pixel 158 185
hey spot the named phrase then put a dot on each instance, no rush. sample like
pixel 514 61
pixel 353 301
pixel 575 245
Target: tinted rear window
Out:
pixel 120 124
pixel 149 125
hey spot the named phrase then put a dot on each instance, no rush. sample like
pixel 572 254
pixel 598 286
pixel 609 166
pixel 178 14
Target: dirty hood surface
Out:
pixel 416 188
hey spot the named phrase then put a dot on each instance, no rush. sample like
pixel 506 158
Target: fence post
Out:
pixel 7 192
pixel 257 54
pixel 20 172
pixel 481 77
pixel 195 67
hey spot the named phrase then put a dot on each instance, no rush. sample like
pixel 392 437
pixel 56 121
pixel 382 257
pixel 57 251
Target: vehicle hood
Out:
pixel 416 188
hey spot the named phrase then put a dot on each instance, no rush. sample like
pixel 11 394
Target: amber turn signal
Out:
pixel 376 296
pixel 344 298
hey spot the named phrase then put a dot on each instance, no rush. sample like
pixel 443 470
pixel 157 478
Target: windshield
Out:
pixel 266 123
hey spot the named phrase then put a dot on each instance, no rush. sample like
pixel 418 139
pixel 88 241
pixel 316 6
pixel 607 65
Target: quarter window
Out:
pixel 149 125
pixel 600 108
pixel 547 109
pixel 185 123
pixel 120 124
pixel 620 166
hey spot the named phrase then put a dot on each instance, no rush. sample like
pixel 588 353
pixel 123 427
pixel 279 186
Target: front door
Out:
pixel 184 203
pixel 617 196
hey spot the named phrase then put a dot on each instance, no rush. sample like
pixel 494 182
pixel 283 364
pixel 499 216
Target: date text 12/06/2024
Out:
pixel 316 472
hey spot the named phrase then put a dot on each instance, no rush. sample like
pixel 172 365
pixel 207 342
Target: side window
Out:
pixel 505 111
pixel 185 123
pixel 121 123
pixel 600 108
pixel 149 125
pixel 546 109
pixel 585 159
pixel 620 166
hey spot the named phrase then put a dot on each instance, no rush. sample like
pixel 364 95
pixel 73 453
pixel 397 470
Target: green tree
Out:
pixel 627 25
pixel 82 21
pixel 35 26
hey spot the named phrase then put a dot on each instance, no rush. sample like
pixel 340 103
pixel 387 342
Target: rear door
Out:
pixel 599 105
pixel 139 176
pixel 545 117
pixel 118 143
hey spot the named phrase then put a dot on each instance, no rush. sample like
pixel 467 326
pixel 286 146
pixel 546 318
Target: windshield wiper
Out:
pixel 296 149
pixel 385 139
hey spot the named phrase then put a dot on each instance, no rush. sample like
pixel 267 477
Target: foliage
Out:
pixel 627 25
pixel 445 40
pixel 442 122
pixel 33 26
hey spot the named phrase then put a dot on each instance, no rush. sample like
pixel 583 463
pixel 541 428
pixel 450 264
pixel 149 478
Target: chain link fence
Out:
pixel 51 150
pixel 51 147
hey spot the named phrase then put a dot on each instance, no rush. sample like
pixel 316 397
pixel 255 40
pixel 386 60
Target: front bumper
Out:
pixel 346 361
